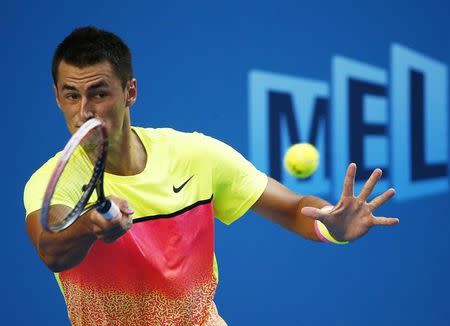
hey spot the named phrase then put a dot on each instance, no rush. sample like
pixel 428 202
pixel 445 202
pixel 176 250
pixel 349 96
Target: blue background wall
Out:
pixel 192 62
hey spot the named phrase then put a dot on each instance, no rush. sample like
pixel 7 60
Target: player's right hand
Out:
pixel 109 231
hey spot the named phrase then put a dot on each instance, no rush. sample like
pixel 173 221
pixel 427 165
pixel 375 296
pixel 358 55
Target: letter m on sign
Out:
pixel 285 110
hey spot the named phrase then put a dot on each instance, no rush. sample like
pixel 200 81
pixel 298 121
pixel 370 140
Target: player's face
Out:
pixel 94 91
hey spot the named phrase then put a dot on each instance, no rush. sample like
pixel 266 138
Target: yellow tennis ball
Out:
pixel 301 160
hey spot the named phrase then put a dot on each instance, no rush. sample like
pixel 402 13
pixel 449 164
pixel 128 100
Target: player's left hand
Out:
pixel 352 217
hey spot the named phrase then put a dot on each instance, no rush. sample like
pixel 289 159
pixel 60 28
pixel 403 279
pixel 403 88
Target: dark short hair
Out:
pixel 87 46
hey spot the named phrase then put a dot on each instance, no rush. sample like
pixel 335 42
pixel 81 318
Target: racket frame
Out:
pixel 95 182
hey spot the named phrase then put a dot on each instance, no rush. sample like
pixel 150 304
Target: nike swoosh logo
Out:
pixel 178 189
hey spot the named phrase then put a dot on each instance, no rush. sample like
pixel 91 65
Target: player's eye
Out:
pixel 72 96
pixel 100 95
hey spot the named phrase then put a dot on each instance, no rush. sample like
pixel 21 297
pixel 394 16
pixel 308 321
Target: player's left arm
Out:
pixel 349 219
pixel 280 205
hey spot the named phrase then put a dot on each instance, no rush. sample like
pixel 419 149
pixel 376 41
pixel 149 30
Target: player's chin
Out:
pixel 73 128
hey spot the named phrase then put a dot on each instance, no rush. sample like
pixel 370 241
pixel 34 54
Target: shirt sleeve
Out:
pixel 34 190
pixel 33 194
pixel 237 184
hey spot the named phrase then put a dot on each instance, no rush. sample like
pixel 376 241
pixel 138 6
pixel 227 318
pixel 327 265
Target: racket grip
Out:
pixel 109 210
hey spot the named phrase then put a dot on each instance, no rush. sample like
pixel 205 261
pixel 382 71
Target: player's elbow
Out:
pixel 55 267
pixel 53 263
pixel 56 264
pixel 55 260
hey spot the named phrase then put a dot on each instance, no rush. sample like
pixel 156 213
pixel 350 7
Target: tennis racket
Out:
pixel 78 172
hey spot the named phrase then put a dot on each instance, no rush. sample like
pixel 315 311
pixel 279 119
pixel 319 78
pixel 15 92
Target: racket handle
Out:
pixel 109 210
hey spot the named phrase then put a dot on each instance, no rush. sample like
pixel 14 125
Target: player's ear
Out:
pixel 131 92
pixel 55 89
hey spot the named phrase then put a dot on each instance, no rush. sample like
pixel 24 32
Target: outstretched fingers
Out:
pixel 381 199
pixel 316 213
pixel 349 181
pixel 311 212
pixel 386 221
pixel 370 184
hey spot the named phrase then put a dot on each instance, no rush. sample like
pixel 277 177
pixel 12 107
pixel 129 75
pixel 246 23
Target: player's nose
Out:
pixel 86 111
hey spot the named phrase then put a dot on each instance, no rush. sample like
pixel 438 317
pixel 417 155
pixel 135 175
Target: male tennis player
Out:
pixel 162 270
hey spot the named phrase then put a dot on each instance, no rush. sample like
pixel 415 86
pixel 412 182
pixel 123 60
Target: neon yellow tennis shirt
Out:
pixel 163 270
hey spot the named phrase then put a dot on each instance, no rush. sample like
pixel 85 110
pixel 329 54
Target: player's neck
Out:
pixel 127 155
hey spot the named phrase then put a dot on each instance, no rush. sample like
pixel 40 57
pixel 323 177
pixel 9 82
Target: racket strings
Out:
pixel 74 189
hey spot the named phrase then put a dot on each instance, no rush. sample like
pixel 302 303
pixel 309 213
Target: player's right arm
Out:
pixel 63 250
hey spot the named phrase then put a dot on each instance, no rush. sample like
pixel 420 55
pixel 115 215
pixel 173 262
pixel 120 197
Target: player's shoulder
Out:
pixel 193 145
pixel 45 170
pixel 171 136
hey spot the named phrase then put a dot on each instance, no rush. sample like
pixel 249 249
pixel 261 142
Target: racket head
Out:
pixel 77 173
